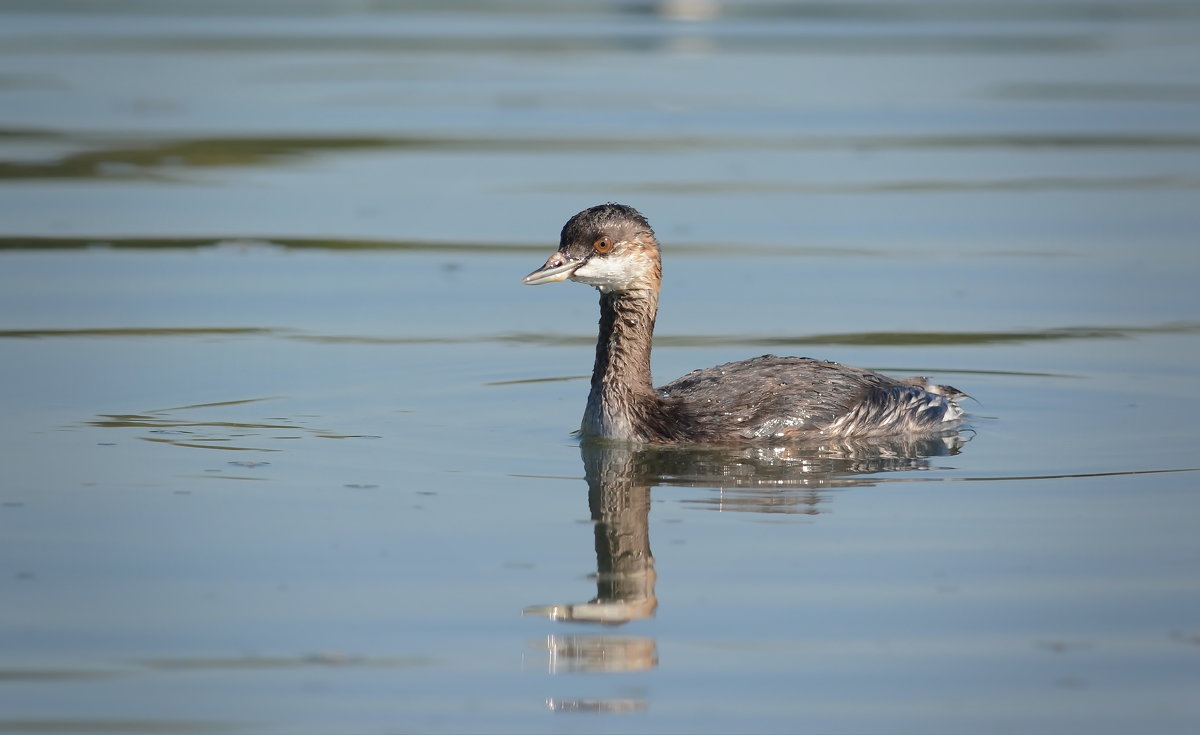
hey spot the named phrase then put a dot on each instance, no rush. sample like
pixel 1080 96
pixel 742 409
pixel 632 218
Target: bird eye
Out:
pixel 603 245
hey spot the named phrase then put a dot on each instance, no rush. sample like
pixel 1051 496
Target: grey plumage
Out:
pixel 779 398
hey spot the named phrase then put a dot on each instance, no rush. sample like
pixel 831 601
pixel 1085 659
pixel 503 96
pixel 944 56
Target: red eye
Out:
pixel 603 245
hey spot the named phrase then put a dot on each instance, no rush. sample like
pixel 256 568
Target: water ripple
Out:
pixel 109 157
pixel 868 339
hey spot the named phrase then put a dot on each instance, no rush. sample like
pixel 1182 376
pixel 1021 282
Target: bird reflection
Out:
pixel 791 479
pixel 597 654
pixel 762 479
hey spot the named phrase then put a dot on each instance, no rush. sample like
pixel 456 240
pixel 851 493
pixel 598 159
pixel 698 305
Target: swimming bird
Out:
pixel 766 399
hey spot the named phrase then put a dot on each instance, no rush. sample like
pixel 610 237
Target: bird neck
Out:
pixel 622 389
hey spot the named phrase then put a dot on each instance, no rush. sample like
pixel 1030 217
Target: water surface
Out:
pixel 287 446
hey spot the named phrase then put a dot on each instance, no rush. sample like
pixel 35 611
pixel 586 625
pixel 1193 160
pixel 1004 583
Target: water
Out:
pixel 286 444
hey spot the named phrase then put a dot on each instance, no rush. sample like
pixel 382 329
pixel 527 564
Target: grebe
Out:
pixel 767 399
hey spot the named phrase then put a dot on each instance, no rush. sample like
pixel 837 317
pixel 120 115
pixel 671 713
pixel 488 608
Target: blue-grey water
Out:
pixel 285 445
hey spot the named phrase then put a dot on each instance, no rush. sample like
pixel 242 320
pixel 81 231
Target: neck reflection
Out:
pixel 619 500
